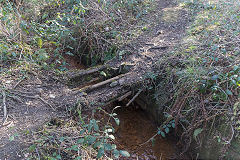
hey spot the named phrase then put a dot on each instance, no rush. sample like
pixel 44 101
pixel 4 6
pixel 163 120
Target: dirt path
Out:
pixel 38 99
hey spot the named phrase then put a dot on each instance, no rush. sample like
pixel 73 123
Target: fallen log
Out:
pixel 81 73
pixel 95 86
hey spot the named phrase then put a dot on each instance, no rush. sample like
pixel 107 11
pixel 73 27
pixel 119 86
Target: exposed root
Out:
pixel 38 97
pixel 4 107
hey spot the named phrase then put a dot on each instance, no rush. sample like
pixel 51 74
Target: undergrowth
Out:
pixel 78 136
pixel 42 32
pixel 206 85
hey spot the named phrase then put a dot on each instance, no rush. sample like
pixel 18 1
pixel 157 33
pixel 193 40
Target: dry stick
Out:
pixel 134 97
pixel 112 100
pixel 95 86
pixel 4 107
pixel 38 97
pixel 200 122
pixel 18 83
pixel 85 72
pixel 125 96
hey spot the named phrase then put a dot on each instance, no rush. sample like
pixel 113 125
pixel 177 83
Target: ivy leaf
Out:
pixel 14 54
pixel 11 138
pixel 97 144
pixel 229 92
pixel 82 131
pixel 44 16
pixel 80 141
pixel 74 148
pixel 163 134
pixel 58 157
pixel 117 121
pixel 116 153
pixel 114 146
pixel 173 125
pixel 197 132
pixel 32 148
pixel 91 139
pixel 90 127
pixel 95 126
pixel 124 153
pixel 61 139
pixel 214 77
pixel 107 146
pixel 69 53
pixel 100 152
pixel 167 130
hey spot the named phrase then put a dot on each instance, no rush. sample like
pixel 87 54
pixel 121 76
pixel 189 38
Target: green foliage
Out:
pixel 42 31
pixel 197 132
pixel 93 139
pixel 165 129
pixel 206 85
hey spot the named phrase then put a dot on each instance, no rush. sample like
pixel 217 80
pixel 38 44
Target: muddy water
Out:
pixel 135 129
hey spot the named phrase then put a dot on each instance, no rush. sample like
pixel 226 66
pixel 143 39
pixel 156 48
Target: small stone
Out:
pixel 40 90
pixel 114 84
pixel 8 81
pixel 159 32
pixel 107 29
pixel 26 155
pixel 206 101
pixel 52 96
pixel 121 81
pixel 141 50
pixel 134 155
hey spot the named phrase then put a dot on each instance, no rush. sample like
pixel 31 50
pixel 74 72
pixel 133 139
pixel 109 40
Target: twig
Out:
pixel 230 140
pixel 140 91
pixel 161 127
pixel 95 86
pixel 124 96
pixel 18 83
pixel 37 153
pixel 4 107
pixel 38 97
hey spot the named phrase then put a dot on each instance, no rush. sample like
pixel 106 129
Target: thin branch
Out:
pixel 161 128
pixel 140 91
pixel 38 97
pixel 4 107
pixel 18 83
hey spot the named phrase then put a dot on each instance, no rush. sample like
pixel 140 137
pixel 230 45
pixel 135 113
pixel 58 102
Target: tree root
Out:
pixel 4 107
